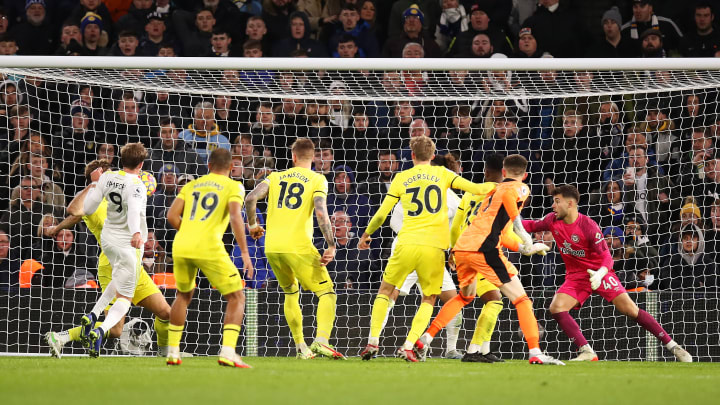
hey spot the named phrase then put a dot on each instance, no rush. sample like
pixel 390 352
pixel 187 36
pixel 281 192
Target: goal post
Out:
pixel 639 137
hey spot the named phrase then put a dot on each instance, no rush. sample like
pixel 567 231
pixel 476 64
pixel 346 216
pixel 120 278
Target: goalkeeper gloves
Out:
pixel 596 276
pixel 533 248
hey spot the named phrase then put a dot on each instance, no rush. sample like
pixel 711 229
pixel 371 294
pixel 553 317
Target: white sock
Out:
pixel 427 338
pixel 63 337
pixel 408 345
pixel 227 352
pixel 102 302
pixel 163 351
pixel 116 312
pixel 322 340
pixel 485 348
pixel 671 344
pixel 170 351
pixel 473 348
pixel 535 352
pixel 387 316
pixel 586 347
pixel 375 341
pixel 453 332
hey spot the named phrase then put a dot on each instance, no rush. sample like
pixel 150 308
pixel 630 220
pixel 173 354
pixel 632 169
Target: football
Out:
pixel 149 180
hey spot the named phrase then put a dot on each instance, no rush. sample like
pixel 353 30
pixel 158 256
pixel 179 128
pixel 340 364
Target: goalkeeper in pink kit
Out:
pixel 589 268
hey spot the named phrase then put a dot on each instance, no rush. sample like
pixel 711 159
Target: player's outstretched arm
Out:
pixel 76 206
pixel 378 219
pixel 260 192
pixel 94 195
pixel 323 220
pixel 464 184
pixel 174 215
pixel 238 227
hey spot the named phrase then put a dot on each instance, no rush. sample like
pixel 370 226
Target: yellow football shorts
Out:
pixel 428 261
pixel 289 268
pixel 145 286
pixel 220 271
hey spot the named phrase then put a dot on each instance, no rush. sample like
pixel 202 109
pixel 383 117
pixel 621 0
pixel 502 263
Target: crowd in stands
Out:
pixel 646 164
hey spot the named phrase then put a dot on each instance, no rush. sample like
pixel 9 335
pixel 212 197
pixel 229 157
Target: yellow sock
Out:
pixel 74 333
pixel 325 316
pixel 378 314
pixel 230 335
pixel 161 330
pixel 419 323
pixel 486 322
pixel 174 335
pixel 293 316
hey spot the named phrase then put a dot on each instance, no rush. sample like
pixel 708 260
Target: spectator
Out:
pixel 8 45
pixel 156 35
pixel 453 21
pixel 430 8
pixel 692 171
pixel 221 43
pixel 232 16
pixel 712 234
pixel 61 262
pixel 257 31
pixel 324 159
pixel 203 135
pixel 690 267
pixel 21 221
pixel 262 166
pixel 100 12
pixel 504 141
pixel 557 29
pixel 255 78
pixel 648 190
pixel 527 45
pixel 358 139
pixel 276 14
pixel 159 204
pixel 194 31
pixel 709 190
pixel 266 132
pixel 155 259
pixel 128 125
pixel 319 123
pixel 70 39
pixel 616 169
pixel 613 44
pixel 9 265
pixel 610 130
pixel 91 27
pixel 543 271
pixel 243 148
pixel 18 126
pixel 398 126
pixel 9 97
pixel 343 196
pixel 347 48
pixel 228 116
pixel 644 18
pixel 127 44
pixel 690 213
pixel 703 41
pixel 299 39
pixel 693 113
pixel 319 12
pixel 660 133
pixel 615 239
pixel 573 157
pixel 637 244
pixel 481 46
pixel 350 24
pixel 136 17
pixel 413 31
pixel 351 267
pixel 36 35
pixel 462 139
pixel 651 44
pixel 4 21
pixel 107 151
pixel 38 167
pixel 262 274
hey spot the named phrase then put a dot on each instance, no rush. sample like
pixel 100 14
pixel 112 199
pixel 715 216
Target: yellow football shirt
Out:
pixel 290 209
pixel 94 223
pixel 422 193
pixel 206 216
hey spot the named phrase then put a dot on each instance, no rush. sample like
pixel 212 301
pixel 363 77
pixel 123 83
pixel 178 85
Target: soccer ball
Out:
pixel 149 180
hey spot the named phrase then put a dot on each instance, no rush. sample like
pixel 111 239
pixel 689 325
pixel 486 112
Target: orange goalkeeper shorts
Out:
pixel 492 266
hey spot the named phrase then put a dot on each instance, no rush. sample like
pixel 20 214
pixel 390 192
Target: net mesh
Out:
pixel 640 146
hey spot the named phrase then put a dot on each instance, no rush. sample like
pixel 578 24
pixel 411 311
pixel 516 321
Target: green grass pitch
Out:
pixel 199 380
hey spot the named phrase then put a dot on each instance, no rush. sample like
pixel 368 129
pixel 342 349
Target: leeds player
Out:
pixel 292 196
pixel 421 242
pixel 477 253
pixel 201 213
pixel 122 238
pixel 147 294
pixel 589 268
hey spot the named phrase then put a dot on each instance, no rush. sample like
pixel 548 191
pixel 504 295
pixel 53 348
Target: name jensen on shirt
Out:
pixel 421 176
pixel 296 175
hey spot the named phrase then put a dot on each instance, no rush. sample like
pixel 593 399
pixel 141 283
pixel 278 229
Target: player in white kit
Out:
pixel 122 238
pixel 448 290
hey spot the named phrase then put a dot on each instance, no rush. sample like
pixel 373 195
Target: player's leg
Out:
pixel 627 307
pixel 404 290
pixel 479 347
pixel 567 298
pixel 185 272
pixel 157 304
pixel 291 301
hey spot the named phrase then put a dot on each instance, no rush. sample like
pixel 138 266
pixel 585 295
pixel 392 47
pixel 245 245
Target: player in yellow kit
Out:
pixel 147 294
pixel 292 196
pixel 201 213
pixel 421 242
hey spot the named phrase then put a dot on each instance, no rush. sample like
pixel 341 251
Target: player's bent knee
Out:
pixel 466 299
pixel 493 295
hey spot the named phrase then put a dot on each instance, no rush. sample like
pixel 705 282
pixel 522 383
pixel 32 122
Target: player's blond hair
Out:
pixel 303 148
pixel 94 165
pixel 132 154
pixel 423 147
pixel 220 159
pixel 515 165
